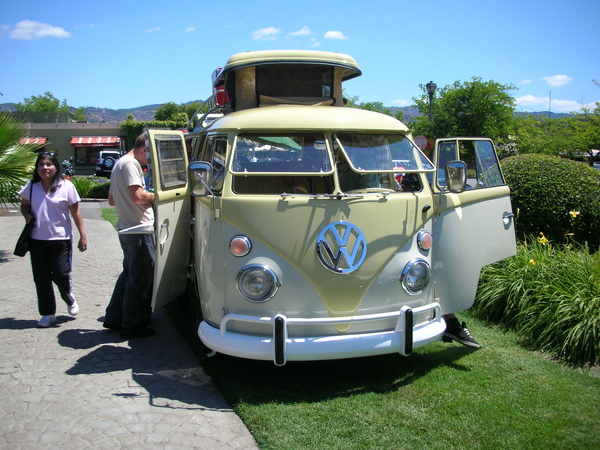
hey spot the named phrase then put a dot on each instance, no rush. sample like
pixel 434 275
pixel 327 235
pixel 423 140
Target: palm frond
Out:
pixel 16 159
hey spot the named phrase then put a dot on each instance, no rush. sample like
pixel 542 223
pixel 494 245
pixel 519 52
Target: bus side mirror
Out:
pixel 456 176
pixel 200 174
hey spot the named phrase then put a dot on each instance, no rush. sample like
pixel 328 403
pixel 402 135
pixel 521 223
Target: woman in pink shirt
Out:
pixel 49 198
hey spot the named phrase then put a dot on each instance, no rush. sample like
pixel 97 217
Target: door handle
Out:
pixel 164 235
pixel 506 217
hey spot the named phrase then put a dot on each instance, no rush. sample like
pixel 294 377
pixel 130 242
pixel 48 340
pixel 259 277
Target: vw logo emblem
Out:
pixel 341 247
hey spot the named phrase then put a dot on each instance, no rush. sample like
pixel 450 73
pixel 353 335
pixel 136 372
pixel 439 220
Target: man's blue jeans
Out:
pixel 130 304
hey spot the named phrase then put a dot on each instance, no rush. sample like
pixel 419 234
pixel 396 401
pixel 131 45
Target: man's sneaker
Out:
pixel 73 307
pixel 460 334
pixel 46 321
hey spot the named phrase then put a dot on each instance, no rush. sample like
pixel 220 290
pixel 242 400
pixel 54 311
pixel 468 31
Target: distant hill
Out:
pixel 409 112
pixel 106 115
pixel 99 115
pixel 142 113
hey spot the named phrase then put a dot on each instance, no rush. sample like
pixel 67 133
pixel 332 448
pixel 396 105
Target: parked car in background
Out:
pixel 106 161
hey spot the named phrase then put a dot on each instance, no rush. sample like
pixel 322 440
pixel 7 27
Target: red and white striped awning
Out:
pixel 33 141
pixel 95 141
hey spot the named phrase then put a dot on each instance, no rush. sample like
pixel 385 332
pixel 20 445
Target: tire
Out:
pixel 109 162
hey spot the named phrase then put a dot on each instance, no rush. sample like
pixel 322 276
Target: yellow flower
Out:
pixel 532 262
pixel 574 213
pixel 542 239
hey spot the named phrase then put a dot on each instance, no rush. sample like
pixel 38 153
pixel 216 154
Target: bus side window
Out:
pixel 198 149
pixel 488 167
pixel 447 152
pixel 216 155
pixel 483 169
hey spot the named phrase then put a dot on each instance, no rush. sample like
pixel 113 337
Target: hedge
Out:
pixel 556 197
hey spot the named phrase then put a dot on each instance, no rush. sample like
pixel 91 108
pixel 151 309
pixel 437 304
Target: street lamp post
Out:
pixel 431 87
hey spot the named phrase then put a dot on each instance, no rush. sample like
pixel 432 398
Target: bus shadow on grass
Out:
pixel 261 381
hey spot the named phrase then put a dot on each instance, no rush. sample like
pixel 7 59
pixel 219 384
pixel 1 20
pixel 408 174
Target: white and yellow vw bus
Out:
pixel 316 231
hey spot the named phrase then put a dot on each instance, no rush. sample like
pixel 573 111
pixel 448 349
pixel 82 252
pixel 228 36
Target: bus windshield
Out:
pixel 282 153
pixel 380 153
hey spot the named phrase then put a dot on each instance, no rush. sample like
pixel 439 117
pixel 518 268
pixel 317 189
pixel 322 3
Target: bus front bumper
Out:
pixel 280 348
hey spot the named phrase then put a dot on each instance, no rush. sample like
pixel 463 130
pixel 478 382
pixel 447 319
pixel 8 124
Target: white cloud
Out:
pixel 557 80
pixel 400 102
pixel 542 103
pixel 152 30
pixel 190 29
pixel 30 29
pixel 525 81
pixel 269 33
pixel 304 31
pixel 335 35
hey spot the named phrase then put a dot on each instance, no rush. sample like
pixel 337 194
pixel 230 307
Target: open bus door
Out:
pixel 472 228
pixel 168 170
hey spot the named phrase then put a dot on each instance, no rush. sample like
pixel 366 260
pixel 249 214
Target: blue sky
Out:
pixel 129 53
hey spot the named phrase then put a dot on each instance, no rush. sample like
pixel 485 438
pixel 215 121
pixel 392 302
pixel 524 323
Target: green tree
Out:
pixel 167 111
pixel 171 111
pixel 49 103
pixel 191 108
pixel 351 101
pixel 375 106
pixel 42 103
pixel 79 114
pixel 533 135
pixel 572 137
pixel 586 128
pixel 399 115
pixel 16 159
pixel 472 108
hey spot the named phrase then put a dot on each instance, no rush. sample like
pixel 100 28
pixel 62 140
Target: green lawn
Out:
pixel 443 396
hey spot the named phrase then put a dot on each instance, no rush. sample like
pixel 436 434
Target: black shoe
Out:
pixel 460 334
pixel 137 333
pixel 112 326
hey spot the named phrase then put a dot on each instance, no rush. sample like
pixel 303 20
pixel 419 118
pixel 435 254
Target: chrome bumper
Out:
pixel 281 348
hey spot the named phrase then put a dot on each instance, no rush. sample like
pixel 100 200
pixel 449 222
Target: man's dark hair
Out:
pixel 140 141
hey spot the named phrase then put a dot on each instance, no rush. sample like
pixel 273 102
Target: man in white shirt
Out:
pixel 129 308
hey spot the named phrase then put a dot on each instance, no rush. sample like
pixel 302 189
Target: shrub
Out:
pixel 100 190
pixel 550 295
pixel 83 185
pixel 544 192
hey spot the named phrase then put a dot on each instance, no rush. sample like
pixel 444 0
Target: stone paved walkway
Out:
pixel 77 385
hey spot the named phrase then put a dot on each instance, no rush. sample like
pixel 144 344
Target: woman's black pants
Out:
pixel 51 261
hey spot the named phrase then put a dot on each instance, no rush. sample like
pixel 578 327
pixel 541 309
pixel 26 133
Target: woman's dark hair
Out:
pixel 57 176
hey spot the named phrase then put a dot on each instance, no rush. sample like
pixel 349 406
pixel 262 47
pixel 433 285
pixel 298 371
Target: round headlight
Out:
pixel 415 276
pixel 257 283
pixel 240 246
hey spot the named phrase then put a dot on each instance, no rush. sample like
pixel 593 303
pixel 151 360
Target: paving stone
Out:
pixel 77 385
